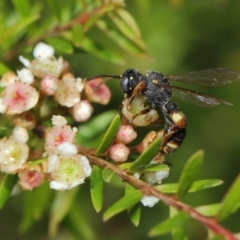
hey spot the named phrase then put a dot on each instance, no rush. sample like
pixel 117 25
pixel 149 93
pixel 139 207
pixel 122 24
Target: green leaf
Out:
pixel 96 125
pixel 121 40
pixel 109 135
pixel 77 224
pixel 55 8
pixel 156 167
pixel 77 34
pixel 190 173
pixel 135 214
pixel 22 6
pixel 36 162
pixel 127 29
pixel 123 204
pixel 60 208
pixel 147 156
pixel 107 174
pixel 178 233
pixel 230 200
pixel 209 210
pixel 101 52
pixel 97 187
pixel 168 225
pixel 20 26
pixel 6 187
pixel 32 209
pixel 196 186
pixel 61 45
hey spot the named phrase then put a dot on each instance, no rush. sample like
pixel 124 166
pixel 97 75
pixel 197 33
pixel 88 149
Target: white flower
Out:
pixel 43 51
pixel 13 155
pixel 155 177
pixel 67 171
pixel 26 76
pixel 82 111
pixel 67 148
pixel 20 134
pixel 59 120
pixel 25 61
pixel 149 201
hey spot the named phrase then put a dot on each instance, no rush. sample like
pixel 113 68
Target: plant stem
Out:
pixel 147 189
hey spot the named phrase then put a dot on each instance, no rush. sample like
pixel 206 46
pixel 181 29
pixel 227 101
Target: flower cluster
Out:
pixel 27 97
pixel 66 168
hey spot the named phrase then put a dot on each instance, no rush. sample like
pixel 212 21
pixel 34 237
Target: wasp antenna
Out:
pixel 103 76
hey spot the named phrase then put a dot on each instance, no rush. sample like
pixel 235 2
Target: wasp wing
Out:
pixel 210 77
pixel 198 98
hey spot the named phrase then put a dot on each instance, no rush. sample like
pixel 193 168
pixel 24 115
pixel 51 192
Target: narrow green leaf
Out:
pixel 121 40
pixel 6 186
pixel 77 224
pixel 156 167
pixel 230 200
pixel 107 174
pixel 126 29
pixel 36 162
pixel 178 233
pixel 129 20
pixel 123 204
pixel 55 8
pixel 209 210
pixel 96 125
pixel 61 45
pixel 190 173
pixel 168 225
pixel 135 214
pixel 101 52
pixel 109 135
pixel 217 237
pixel 97 187
pixel 147 156
pixel 60 208
pixel 196 186
pixel 32 209
pixel 20 26
pixel 77 34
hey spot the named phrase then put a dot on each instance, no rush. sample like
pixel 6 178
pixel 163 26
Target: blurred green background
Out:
pixel 181 36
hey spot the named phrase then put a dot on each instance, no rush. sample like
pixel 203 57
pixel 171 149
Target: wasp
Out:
pixel 156 88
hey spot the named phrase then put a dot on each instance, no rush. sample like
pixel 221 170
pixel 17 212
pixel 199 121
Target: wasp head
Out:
pixel 129 80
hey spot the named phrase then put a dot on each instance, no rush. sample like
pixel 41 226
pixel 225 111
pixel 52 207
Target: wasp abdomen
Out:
pixel 174 133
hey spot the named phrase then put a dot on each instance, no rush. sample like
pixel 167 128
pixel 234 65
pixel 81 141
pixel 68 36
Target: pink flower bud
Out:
pixel 82 111
pixel 125 134
pixel 48 85
pixel 97 91
pixel 31 178
pixel 119 152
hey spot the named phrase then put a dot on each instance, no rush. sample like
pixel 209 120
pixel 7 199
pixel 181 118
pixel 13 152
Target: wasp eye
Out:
pixel 125 84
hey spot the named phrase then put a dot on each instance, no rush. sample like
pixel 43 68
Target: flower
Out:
pixel 31 178
pixel 58 135
pixel 98 92
pixel 44 62
pixel 119 152
pixel 13 155
pixel 125 134
pixel 155 177
pixel 82 111
pixel 19 97
pixel 48 85
pixel 20 134
pixel 25 76
pixel 130 110
pixel 66 171
pixel 149 201
pixel 67 93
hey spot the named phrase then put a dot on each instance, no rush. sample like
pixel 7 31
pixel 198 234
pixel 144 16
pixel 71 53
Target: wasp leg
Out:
pixel 137 90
